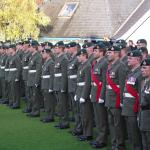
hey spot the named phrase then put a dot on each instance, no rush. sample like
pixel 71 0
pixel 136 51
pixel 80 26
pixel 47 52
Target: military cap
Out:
pixel 26 42
pixel 141 41
pixel 42 44
pixel 50 44
pixel 66 45
pixel 88 44
pixel 34 43
pixel 121 43
pixel 145 62
pixel 114 48
pixel 143 50
pixel 60 44
pixel 47 50
pixel 72 44
pixel 81 51
pixel 135 53
pixel 100 45
pixel 12 46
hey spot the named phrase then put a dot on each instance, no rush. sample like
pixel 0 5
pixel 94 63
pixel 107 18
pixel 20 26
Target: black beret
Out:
pixel 60 44
pixel 47 50
pixel 34 43
pixel 100 45
pixel 121 43
pixel 26 42
pixel 114 48
pixel 12 46
pixel 81 51
pixel 88 44
pixel 145 62
pixel 135 53
pixel 72 44
pixel 141 41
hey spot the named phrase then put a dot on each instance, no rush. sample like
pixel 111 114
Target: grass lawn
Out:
pixel 18 132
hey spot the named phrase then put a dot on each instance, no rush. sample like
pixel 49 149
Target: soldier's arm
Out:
pixel 51 69
pixel 64 83
pixel 87 87
pixel 19 67
pixel 38 70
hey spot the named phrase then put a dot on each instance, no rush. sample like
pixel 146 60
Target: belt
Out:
pixel 2 67
pixel 93 84
pixel 32 71
pixel 145 107
pixel 26 67
pixel 109 87
pixel 46 76
pixel 72 76
pixel 58 74
pixel 13 69
pixel 81 83
pixel 6 69
pixel 128 95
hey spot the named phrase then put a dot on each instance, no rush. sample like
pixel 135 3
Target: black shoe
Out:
pixel 99 145
pixel 75 133
pixel 85 138
pixel 64 126
pixel 15 107
pixel 92 142
pixel 47 120
pixel 57 126
pixel 26 111
pixel 5 102
pixel 33 115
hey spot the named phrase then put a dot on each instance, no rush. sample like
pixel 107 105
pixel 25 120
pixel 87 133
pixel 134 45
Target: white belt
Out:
pixel 26 67
pixel 109 87
pixel 72 76
pixel 46 76
pixel 13 69
pixel 93 83
pixel 2 67
pixel 81 83
pixel 32 71
pixel 58 75
pixel 6 69
pixel 128 95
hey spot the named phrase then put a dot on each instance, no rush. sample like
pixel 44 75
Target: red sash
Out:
pixel 97 82
pixel 114 88
pixel 134 93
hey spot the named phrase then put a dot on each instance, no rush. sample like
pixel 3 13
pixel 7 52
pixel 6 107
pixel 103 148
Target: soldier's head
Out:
pixel 46 53
pixel 113 53
pixel 59 47
pixel 73 47
pixel 82 55
pixel 144 52
pixel 89 48
pixel 12 49
pixel 141 43
pixel 145 67
pixel 26 45
pixel 99 50
pixel 34 46
pixel 134 58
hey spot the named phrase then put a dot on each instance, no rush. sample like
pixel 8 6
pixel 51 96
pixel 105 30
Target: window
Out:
pixel 68 9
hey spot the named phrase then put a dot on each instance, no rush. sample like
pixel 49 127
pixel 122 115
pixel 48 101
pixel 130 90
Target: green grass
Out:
pixel 18 132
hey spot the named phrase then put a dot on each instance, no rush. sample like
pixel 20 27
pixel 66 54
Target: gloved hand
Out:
pixel 50 90
pixel 75 98
pixel 101 101
pixel 121 105
pixel 16 80
pixel 82 100
pixel 62 91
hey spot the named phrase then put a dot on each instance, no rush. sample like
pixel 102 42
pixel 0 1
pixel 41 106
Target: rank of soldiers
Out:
pixel 102 85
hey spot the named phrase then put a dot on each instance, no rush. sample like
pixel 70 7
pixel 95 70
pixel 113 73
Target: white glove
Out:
pixel 62 91
pixel 82 100
pixel 16 80
pixel 100 101
pixel 90 96
pixel 75 98
pixel 50 90
pixel 121 105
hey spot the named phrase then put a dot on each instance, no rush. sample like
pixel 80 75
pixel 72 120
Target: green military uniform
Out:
pixel 99 68
pixel 144 119
pixel 117 74
pixel 72 84
pixel 2 76
pixel 47 89
pixel 60 87
pixel 7 84
pixel 14 78
pixel 33 82
pixel 25 68
pixel 128 109
pixel 83 96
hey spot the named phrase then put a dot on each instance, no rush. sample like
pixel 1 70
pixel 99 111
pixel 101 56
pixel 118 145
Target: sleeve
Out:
pixel 18 66
pixel 87 87
pixel 51 69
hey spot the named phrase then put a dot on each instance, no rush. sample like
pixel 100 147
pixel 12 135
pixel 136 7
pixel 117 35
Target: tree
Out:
pixel 20 19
